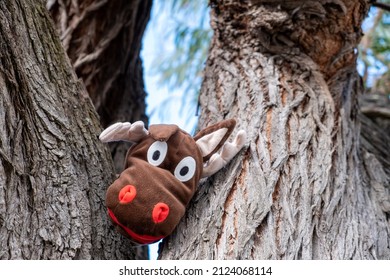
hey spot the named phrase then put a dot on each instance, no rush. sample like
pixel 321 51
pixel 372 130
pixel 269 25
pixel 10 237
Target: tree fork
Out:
pixel 306 187
pixel 103 41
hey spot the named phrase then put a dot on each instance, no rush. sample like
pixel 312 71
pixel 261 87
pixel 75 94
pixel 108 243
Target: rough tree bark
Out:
pixel 103 41
pixel 53 169
pixel 309 185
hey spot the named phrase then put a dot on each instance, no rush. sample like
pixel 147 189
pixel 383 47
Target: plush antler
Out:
pixel 124 132
pixel 228 151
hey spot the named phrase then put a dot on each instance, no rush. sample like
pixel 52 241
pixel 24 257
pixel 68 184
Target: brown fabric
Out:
pixel 154 185
pixel 162 132
pixel 149 198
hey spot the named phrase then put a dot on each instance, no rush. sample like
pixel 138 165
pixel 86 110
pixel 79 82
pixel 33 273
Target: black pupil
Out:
pixel 184 170
pixel 156 155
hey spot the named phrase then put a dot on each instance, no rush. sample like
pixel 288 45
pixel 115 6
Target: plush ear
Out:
pixel 124 132
pixel 228 151
pixel 211 139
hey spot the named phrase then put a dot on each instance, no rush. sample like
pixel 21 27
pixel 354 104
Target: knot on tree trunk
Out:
pixel 325 31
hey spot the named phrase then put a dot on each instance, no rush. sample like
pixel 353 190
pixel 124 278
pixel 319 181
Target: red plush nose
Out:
pixel 127 194
pixel 160 212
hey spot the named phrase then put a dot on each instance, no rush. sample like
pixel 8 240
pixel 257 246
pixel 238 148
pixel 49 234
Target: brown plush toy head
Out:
pixel 162 171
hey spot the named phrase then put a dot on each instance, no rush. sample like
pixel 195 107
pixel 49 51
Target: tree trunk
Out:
pixel 307 186
pixel 103 41
pixel 53 169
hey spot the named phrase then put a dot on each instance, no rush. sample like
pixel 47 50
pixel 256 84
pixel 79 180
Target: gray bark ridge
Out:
pixel 53 169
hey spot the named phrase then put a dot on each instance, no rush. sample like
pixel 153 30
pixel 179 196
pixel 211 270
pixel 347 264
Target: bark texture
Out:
pixel 308 185
pixel 53 169
pixel 103 41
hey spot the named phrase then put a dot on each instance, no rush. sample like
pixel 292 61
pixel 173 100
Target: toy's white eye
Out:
pixel 157 153
pixel 185 169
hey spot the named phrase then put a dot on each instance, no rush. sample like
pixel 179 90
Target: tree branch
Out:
pixel 376 112
pixel 375 105
pixel 383 6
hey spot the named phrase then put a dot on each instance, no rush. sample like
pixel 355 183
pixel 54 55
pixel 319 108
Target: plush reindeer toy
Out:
pixel 162 170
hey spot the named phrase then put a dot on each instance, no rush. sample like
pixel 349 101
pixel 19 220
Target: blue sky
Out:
pixel 156 44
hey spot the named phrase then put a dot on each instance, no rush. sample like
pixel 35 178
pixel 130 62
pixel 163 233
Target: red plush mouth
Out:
pixel 140 238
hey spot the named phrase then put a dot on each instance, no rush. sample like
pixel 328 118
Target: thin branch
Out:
pixel 382 6
pixel 376 112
